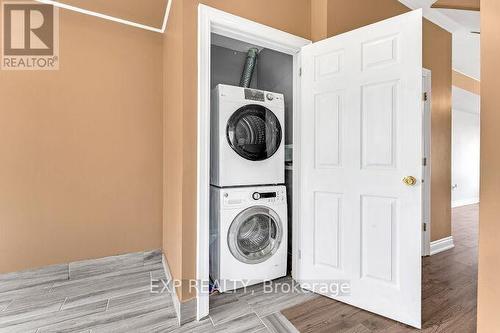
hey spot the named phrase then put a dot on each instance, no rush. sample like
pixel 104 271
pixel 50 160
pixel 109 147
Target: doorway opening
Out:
pixel 465 148
pixel 223 42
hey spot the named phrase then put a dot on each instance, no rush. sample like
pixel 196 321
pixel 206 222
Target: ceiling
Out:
pixel 466 45
pixel 465 19
pixel 146 12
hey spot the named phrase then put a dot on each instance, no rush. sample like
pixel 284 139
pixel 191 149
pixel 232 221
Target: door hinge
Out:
pixel 424 97
pixel 300 254
pixel 300 71
pixel 425 226
pixel 424 161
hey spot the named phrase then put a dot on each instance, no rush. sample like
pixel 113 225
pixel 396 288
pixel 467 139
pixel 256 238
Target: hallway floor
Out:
pixel 449 292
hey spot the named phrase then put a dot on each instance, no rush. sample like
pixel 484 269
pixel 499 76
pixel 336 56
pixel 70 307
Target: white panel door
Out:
pixel 361 135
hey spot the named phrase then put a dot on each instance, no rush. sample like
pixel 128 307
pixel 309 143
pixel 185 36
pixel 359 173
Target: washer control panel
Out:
pixel 235 197
pixel 268 196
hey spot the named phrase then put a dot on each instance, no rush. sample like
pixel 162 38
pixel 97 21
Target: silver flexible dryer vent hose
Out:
pixel 246 76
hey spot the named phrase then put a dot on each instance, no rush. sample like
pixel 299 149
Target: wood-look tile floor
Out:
pixel 257 308
pixel 104 295
pixel 114 295
pixel 449 289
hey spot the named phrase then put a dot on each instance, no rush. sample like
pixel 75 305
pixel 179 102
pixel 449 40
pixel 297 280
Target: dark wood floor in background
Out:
pixel 448 292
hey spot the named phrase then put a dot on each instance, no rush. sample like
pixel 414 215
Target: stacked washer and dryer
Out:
pixel 248 223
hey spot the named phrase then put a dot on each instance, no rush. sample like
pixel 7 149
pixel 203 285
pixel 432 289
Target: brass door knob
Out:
pixel 410 180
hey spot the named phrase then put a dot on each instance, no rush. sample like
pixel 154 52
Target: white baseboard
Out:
pixel 175 299
pixel 441 245
pixel 464 202
pixel 186 311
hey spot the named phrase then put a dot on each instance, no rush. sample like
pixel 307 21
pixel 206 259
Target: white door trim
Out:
pixel 212 20
pixel 427 170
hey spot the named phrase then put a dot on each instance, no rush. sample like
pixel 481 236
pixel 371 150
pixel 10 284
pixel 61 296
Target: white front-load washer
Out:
pixel 248 235
pixel 247 137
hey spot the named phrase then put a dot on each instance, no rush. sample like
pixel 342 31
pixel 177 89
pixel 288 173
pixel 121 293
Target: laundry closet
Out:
pixel 251 137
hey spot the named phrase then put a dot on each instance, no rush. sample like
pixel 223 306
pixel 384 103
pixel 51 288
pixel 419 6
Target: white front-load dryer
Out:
pixel 248 235
pixel 247 137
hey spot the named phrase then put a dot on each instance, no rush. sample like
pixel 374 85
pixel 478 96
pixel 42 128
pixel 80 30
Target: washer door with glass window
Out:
pixel 254 132
pixel 255 235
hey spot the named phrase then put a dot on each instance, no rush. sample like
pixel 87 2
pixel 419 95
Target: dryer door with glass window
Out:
pixel 255 235
pixel 254 132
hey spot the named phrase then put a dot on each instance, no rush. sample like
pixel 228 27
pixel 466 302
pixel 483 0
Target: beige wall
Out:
pixel 173 102
pixel 437 58
pixel 348 15
pixel 80 148
pixel 319 19
pixel 457 4
pixel 466 82
pixel 489 225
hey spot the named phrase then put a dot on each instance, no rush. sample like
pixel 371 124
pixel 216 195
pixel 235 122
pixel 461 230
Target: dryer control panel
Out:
pixel 254 95
pixel 248 95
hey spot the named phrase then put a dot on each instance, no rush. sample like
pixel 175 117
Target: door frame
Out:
pixel 427 170
pixel 211 20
